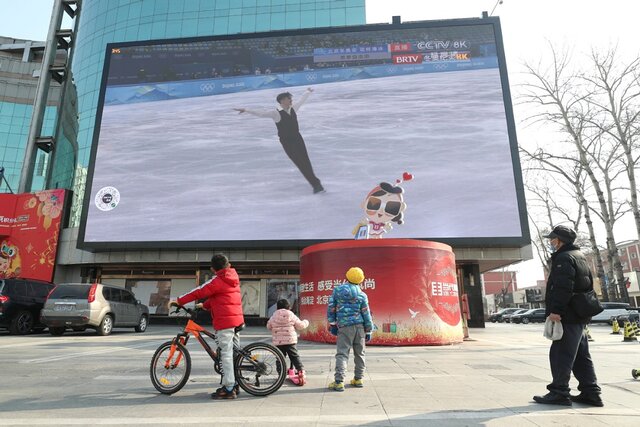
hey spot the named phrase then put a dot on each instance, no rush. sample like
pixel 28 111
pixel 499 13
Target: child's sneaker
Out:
pixel 301 377
pixel 357 382
pixel 293 376
pixel 337 386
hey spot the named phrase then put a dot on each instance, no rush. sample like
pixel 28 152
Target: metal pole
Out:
pixel 40 102
pixel 59 127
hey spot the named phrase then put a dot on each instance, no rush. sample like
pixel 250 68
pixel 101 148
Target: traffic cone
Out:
pixel 629 332
pixel 588 333
pixel 616 327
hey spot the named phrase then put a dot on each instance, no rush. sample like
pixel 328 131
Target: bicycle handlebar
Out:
pixel 179 308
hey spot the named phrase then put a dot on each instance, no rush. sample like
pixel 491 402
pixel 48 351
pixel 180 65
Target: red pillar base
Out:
pixel 411 285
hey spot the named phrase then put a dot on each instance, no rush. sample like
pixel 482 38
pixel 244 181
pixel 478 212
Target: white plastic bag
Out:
pixel 552 330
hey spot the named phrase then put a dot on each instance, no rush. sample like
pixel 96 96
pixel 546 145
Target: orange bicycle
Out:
pixel 259 368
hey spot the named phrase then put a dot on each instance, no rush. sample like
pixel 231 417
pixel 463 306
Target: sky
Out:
pixel 528 27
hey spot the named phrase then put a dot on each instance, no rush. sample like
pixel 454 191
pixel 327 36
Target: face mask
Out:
pixel 550 247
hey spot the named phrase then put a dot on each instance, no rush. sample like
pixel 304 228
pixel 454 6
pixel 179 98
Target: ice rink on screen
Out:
pixel 195 170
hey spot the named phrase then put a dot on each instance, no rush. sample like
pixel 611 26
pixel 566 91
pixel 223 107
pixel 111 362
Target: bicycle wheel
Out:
pixel 260 369
pixel 170 375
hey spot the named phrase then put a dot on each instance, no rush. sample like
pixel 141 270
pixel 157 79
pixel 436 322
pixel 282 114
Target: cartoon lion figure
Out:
pixel 10 263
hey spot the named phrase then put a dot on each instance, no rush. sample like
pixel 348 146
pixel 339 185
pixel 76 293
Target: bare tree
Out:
pixel 575 177
pixel 616 99
pixel 564 100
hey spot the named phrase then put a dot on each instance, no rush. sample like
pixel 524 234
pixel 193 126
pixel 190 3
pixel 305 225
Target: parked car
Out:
pixel 533 315
pixel 507 317
pixel 20 303
pixel 102 307
pixel 611 309
pixel 497 317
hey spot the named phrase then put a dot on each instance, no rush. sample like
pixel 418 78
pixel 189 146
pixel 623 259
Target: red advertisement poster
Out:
pixel 411 286
pixel 29 231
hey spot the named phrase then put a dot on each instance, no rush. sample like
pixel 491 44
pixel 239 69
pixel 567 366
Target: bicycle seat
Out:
pixel 238 328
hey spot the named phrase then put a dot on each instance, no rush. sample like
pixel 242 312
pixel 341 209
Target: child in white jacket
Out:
pixel 283 325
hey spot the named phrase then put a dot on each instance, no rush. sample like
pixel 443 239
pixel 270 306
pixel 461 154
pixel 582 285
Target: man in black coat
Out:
pixel 569 273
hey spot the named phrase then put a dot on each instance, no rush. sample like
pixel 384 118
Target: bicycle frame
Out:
pixel 191 328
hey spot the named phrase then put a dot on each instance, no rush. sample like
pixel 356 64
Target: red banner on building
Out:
pixel 29 231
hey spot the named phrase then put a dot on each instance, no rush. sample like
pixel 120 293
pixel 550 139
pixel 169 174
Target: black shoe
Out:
pixel 552 398
pixel 319 189
pixel 588 399
pixel 223 393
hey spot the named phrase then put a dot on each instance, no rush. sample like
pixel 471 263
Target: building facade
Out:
pixel 20 63
pixel 158 274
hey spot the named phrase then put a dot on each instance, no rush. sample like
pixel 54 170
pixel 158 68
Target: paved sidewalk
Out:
pixel 82 379
pixel 487 381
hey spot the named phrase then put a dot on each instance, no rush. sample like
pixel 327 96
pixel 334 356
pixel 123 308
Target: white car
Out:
pixel 611 309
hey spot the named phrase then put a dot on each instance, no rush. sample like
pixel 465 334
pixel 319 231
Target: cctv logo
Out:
pixel 207 87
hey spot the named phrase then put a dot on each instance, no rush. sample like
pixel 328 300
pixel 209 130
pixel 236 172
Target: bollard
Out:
pixel 616 327
pixel 629 333
pixel 587 332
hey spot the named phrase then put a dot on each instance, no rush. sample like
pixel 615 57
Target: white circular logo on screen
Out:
pixel 107 198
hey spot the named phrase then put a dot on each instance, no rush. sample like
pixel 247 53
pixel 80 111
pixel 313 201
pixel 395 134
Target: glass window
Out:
pixel 158 29
pixel 190 6
pixel 17 289
pixel 235 24
pixel 127 297
pixel 355 16
pixel 293 19
pixel 263 22
pixel 205 26
pixel 338 17
pixel 41 290
pixel 162 6
pixel 248 23
pixel 278 21
pixel 323 18
pixel 189 27
pixel 70 292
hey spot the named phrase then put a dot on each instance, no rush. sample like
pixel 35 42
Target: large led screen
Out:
pixel 191 147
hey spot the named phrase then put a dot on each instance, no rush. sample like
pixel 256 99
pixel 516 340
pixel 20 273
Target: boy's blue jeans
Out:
pixel 348 337
pixel 226 338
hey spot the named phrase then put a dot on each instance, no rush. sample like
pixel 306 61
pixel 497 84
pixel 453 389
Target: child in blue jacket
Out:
pixel 350 319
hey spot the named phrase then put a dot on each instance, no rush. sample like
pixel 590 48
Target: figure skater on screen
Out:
pixel 286 120
pixel 382 206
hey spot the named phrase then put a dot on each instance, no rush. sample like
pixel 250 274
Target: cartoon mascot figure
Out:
pixel 10 263
pixel 383 205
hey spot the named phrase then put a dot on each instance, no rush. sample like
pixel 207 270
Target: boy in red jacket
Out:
pixel 224 301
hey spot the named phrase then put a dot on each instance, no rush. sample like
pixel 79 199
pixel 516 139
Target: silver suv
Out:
pixel 102 307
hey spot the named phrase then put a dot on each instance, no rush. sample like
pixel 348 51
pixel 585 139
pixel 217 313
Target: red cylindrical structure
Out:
pixel 411 285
